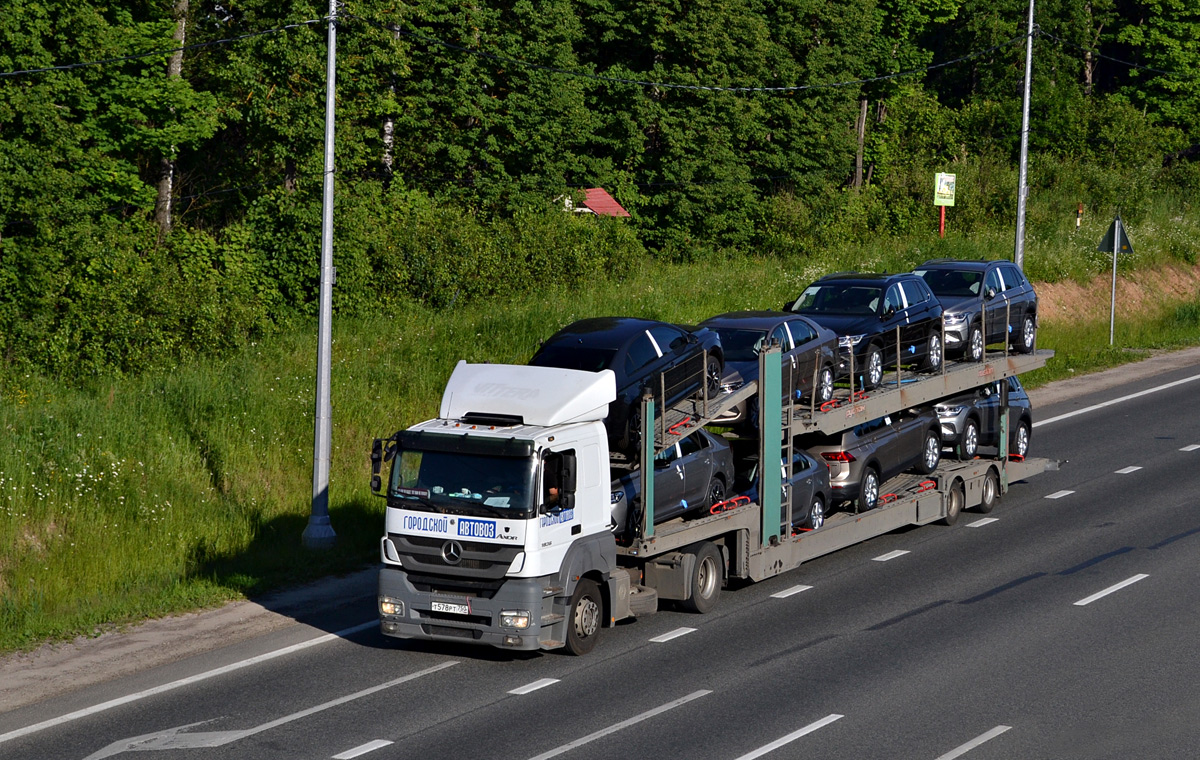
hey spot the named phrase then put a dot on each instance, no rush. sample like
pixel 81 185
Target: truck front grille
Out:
pixel 482 561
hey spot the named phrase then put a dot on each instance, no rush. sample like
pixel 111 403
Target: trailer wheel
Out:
pixel 707 575
pixel 583 625
pixel 955 505
pixel 991 492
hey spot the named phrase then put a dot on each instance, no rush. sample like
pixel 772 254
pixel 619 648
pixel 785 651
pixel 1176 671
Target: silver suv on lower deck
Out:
pixel 971 420
pixel 862 458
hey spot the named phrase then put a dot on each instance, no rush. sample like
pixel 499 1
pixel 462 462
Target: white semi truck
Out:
pixel 499 522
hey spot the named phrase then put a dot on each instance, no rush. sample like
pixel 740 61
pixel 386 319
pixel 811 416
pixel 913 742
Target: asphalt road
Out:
pixel 1062 625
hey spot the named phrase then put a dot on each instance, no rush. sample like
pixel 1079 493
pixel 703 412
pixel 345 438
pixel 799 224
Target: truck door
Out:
pixel 558 520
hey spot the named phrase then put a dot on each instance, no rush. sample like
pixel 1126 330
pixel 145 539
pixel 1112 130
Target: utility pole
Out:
pixel 1023 190
pixel 319 532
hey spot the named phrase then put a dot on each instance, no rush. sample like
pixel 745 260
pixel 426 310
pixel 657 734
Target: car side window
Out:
pixel 641 352
pixel 801 332
pixel 892 299
pixel 780 334
pixel 1012 277
pixel 669 339
pixel 913 292
pixel 992 281
pixel 691 445
pixel 666 456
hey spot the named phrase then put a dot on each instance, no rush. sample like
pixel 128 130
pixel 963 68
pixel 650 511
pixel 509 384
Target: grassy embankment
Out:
pixel 137 497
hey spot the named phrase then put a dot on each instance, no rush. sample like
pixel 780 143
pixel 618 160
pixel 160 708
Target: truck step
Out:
pixel 551 644
pixel 551 590
pixel 551 618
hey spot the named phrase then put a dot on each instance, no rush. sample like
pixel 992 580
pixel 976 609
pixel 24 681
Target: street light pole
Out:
pixel 319 532
pixel 1023 190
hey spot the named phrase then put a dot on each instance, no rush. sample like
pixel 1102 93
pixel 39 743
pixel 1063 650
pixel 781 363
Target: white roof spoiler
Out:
pixel 543 396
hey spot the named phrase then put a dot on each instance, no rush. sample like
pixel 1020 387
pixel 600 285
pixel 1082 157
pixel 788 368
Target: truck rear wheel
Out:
pixel 990 492
pixel 705 583
pixel 954 504
pixel 583 624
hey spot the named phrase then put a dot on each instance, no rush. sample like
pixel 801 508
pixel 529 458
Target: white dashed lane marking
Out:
pixel 789 592
pixel 1111 589
pixel 891 555
pixel 541 684
pixel 672 635
pixel 1059 494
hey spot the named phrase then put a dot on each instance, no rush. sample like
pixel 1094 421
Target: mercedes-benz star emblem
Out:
pixel 452 552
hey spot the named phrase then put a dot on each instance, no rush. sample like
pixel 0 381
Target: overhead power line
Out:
pixel 162 53
pixel 1098 54
pixel 675 85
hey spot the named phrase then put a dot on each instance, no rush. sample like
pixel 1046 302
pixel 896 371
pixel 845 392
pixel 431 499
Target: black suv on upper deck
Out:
pixel 884 319
pixel 985 301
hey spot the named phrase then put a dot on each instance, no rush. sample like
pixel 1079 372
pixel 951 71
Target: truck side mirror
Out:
pixel 376 463
pixel 569 473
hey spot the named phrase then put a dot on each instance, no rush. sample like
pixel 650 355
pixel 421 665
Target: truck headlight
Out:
pixel 514 619
pixel 389 606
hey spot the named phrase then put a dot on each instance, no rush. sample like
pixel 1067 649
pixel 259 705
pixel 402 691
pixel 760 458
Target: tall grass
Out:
pixel 137 497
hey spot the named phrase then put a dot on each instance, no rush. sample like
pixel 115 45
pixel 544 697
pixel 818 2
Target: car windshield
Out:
pixel 840 299
pixel 741 345
pixel 574 357
pixel 463 483
pixel 951 283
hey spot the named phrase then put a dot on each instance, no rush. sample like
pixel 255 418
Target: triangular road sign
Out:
pixel 1117 228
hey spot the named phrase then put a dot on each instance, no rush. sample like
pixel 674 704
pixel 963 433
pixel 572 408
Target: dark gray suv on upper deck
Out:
pixel 985 302
pixel 882 320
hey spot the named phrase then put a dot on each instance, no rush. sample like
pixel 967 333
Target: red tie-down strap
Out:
pixel 682 423
pixel 728 504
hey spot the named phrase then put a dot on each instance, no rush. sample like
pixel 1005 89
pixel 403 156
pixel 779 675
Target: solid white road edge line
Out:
pixel 983 521
pixel 1111 589
pixel 793 736
pixel 540 684
pixel 182 682
pixel 364 749
pixel 672 635
pixel 623 724
pixel 964 749
pixel 891 555
pixel 1131 396
pixel 789 592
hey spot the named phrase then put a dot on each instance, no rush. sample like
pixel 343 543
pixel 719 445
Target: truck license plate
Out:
pixel 456 608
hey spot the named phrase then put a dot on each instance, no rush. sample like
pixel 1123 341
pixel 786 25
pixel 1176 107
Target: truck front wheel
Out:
pixel 583 626
pixel 707 574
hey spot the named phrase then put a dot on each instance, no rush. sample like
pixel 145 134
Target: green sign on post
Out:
pixel 943 189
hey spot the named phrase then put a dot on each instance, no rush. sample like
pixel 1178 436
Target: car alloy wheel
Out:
pixel 825 385
pixel 975 344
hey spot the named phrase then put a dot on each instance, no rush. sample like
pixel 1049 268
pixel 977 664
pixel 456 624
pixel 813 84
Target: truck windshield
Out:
pixel 463 483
